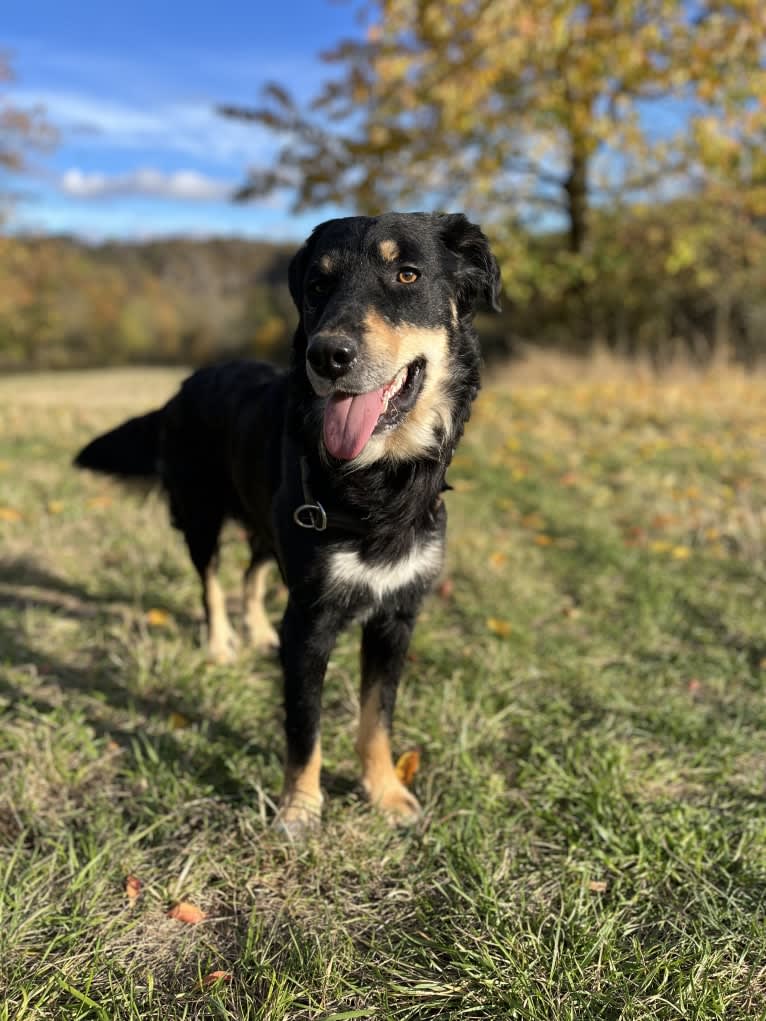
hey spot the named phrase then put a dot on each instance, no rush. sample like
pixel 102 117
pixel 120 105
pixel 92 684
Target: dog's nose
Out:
pixel 331 356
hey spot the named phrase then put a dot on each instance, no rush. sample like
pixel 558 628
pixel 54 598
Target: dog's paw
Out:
pixel 262 637
pixel 298 818
pixel 223 647
pixel 397 804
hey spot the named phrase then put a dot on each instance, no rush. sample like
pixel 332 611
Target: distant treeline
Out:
pixel 64 303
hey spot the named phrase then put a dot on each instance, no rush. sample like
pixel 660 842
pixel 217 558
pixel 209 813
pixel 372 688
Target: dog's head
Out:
pixel 386 306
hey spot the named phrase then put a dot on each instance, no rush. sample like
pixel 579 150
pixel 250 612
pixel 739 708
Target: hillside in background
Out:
pixel 64 303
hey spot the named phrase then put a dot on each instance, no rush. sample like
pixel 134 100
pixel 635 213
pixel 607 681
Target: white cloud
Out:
pixel 184 185
pixel 191 127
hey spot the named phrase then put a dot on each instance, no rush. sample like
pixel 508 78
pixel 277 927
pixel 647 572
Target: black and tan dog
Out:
pixel 336 468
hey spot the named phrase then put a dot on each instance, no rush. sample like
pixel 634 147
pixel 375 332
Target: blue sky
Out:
pixel 131 90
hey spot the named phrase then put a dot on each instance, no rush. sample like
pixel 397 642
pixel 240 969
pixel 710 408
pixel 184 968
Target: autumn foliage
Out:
pixel 613 151
pixel 64 303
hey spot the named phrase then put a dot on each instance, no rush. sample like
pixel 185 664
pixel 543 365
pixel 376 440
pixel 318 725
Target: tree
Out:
pixel 532 115
pixel 21 129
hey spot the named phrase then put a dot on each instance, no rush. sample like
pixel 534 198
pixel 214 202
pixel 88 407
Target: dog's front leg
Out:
pixel 385 640
pixel 306 641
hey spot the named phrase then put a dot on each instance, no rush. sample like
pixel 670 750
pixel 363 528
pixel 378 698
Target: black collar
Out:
pixel 312 514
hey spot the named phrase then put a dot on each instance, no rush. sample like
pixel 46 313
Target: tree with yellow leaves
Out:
pixel 21 129
pixel 535 115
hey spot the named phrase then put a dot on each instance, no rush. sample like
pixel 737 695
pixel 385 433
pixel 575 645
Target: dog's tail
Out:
pixel 131 451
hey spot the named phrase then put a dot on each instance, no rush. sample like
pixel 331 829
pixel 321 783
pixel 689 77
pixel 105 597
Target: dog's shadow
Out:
pixel 25 586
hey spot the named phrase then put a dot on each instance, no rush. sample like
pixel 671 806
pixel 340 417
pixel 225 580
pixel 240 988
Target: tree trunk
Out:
pixel 576 188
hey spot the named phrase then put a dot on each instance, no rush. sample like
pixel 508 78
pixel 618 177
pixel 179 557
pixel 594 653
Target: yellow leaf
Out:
pixel 186 912
pixel 542 540
pixel 532 521
pixel 501 628
pixel 215 976
pixel 498 559
pixel 55 506
pixel 681 553
pixel 99 502
pixel 10 514
pixel 158 618
pixel 178 721
pixel 407 766
pixel 132 887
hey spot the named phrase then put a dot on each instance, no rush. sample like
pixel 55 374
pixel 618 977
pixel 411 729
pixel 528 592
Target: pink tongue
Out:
pixel 349 420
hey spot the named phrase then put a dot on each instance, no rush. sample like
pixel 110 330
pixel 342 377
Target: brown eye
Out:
pixel 407 276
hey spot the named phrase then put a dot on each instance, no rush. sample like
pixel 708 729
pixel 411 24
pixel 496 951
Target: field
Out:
pixel 586 690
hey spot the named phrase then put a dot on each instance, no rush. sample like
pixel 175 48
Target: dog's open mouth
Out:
pixel 351 419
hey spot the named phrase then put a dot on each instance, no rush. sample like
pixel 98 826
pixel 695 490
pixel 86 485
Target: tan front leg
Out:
pixel 301 806
pixel 259 629
pixel 384 788
pixel 222 640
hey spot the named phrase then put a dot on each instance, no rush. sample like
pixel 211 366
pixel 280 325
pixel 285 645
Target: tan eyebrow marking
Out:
pixel 389 250
pixel 325 264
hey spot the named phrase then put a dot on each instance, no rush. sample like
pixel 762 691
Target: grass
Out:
pixel 588 701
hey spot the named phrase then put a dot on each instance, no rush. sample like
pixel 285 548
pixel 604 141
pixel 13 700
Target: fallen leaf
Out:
pixel 407 766
pixel 498 559
pixel 501 628
pixel 446 588
pixel 694 686
pixel 55 506
pixel 661 521
pixel 597 886
pixel 99 502
pixel 132 887
pixel 186 912
pixel 681 553
pixel 215 976
pixel 542 540
pixel 532 521
pixel 178 721
pixel 157 618
pixel 10 514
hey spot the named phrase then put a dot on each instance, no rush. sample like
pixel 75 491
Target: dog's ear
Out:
pixel 296 271
pixel 478 274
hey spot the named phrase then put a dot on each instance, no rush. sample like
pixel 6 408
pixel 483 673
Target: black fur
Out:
pixel 133 446
pixel 230 444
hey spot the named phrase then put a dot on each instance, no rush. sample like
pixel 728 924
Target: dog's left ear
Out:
pixel 296 271
pixel 296 274
pixel 478 274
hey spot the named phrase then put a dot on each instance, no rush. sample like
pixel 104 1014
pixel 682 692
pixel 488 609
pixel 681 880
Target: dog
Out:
pixel 336 469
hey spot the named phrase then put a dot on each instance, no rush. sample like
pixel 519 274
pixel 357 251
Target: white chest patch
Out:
pixel 347 570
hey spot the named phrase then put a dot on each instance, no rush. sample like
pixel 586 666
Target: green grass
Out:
pixel 588 702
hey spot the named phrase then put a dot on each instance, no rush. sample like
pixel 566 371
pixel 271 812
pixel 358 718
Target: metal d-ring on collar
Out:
pixel 310 514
